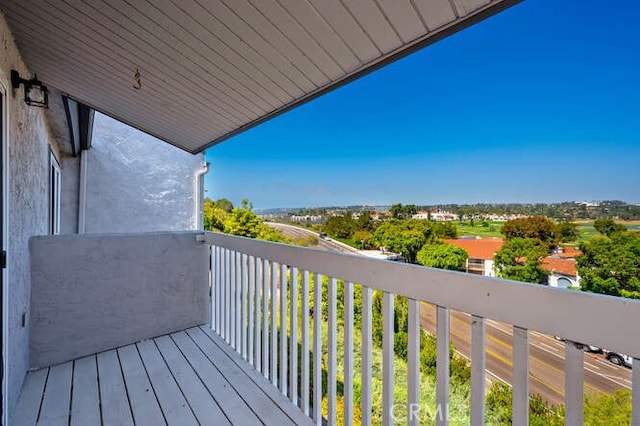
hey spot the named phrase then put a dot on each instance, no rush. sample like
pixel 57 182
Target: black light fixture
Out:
pixel 35 93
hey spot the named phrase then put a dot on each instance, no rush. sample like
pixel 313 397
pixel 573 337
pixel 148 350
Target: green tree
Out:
pixel 213 216
pixel 404 236
pixel 520 259
pixel 244 222
pixel 567 232
pixel 443 256
pixel 537 227
pixel 365 222
pixel 608 226
pixel 224 204
pixel 364 239
pixel 611 265
pixel 340 226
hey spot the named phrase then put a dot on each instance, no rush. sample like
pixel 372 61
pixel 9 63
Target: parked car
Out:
pixel 619 359
pixel 585 347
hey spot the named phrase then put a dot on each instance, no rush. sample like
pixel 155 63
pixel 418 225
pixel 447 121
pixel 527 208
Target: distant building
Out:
pixel 306 218
pixel 439 216
pixel 562 268
pixel 481 253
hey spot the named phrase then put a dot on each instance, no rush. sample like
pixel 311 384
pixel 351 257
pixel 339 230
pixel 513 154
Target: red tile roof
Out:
pixel 564 266
pixel 570 252
pixel 484 248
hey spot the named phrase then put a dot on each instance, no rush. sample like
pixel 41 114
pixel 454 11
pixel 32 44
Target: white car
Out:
pixel 620 359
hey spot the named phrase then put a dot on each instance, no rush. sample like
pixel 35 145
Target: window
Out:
pixel 54 195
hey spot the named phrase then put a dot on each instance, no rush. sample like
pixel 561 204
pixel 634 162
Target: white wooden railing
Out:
pixel 249 310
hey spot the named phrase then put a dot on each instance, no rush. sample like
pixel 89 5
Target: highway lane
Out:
pixel 292 231
pixel 546 357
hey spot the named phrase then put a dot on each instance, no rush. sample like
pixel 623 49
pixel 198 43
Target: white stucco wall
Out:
pixel 135 183
pixel 489 270
pixel 29 142
pixel 553 280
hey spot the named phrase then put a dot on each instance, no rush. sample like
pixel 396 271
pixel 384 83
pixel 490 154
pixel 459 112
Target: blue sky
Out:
pixel 540 103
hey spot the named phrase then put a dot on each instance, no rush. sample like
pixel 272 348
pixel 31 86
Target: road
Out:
pixel 546 358
pixel 546 354
pixel 292 231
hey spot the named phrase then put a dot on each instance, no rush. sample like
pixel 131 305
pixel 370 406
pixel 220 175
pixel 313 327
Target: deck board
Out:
pixel 175 407
pixel 204 406
pixel 188 377
pixel 85 407
pixel 57 396
pixel 287 408
pixel 142 397
pixel 230 401
pixel 31 397
pixel 113 393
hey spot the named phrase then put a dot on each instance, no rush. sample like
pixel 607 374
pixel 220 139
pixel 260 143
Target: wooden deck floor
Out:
pixel 189 377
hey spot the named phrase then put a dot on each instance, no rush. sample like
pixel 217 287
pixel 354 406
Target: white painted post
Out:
pixel 283 329
pixel 635 392
pixel 478 360
pixel 257 332
pixel 365 369
pixel 520 376
pixel 265 318
pixel 413 362
pixel 317 350
pixel 238 315
pixel 213 277
pixel 227 295
pixel 274 324
pixel 304 383
pixel 574 384
pixel 332 343
pixel 293 336
pixel 348 354
pixel 387 358
pixel 244 287
pixel 251 298
pixel 442 366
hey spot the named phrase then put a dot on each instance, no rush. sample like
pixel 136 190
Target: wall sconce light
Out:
pixel 35 93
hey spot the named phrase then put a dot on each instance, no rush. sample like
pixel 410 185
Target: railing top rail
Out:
pixel 599 320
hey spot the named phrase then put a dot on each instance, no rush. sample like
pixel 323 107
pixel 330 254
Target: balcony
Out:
pixel 197 325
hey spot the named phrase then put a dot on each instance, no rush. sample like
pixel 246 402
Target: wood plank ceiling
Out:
pixel 195 72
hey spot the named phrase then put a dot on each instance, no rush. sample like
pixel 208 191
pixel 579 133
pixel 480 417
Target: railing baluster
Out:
pixel 244 291
pixel 520 376
pixel 283 329
pixel 573 383
pixel 251 297
pixel 213 276
pixel 227 295
pixel 332 343
pixel 234 313
pixel 304 382
pixel 265 318
pixel 317 350
pixel 442 366
pixel 219 284
pixel 293 336
pixel 365 369
pixel 478 360
pixel 387 358
pixel 635 392
pixel 257 281
pixel 274 324
pixel 238 316
pixel 348 354
pixel 413 362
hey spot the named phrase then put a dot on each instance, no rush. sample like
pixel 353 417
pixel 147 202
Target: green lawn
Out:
pixel 491 229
